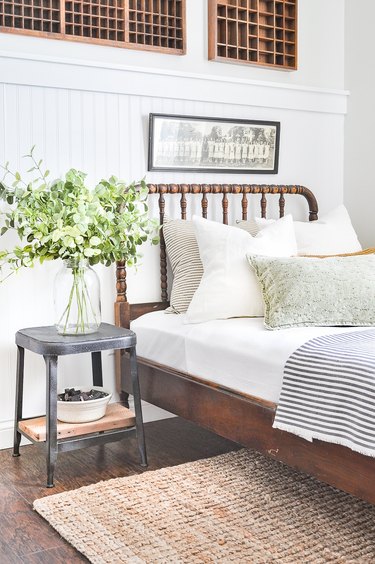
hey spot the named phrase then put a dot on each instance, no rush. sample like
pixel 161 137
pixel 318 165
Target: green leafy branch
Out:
pixel 65 219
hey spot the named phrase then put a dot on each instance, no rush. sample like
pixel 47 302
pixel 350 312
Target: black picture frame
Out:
pixel 209 144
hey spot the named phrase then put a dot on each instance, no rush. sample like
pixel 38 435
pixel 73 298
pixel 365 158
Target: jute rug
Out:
pixel 237 507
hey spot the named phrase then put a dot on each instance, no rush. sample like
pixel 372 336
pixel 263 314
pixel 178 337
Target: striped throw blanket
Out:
pixel 328 391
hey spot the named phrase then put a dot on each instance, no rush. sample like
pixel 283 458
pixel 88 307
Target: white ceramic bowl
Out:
pixel 83 411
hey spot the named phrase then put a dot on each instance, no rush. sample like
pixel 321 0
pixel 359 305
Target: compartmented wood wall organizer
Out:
pixel 157 25
pixel 260 32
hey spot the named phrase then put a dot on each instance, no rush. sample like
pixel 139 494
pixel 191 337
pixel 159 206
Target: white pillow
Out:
pixel 331 235
pixel 229 288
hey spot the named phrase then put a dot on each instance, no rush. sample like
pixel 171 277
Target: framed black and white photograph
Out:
pixel 213 144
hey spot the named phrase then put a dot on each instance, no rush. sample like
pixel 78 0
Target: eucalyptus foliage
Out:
pixel 65 219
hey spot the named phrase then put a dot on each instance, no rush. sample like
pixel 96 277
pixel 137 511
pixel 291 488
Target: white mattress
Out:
pixel 239 354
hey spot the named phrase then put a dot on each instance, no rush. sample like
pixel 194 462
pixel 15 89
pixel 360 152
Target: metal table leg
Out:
pixel 51 417
pixel 137 406
pixel 19 399
pixel 97 372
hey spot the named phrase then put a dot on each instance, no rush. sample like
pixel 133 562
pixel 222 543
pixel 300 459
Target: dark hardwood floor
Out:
pixel 26 537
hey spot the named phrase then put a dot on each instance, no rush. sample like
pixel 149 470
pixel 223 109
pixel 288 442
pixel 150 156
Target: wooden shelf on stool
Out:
pixel 116 417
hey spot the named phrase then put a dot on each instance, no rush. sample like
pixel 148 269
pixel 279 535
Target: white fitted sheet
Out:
pixel 239 354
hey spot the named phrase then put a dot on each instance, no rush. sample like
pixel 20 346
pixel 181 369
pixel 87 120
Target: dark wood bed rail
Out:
pixel 123 312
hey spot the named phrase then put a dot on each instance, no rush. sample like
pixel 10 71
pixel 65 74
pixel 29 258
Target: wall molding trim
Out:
pixel 6 435
pixel 82 75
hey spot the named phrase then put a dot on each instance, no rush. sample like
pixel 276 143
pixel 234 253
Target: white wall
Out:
pixel 87 107
pixel 360 122
pixel 321 36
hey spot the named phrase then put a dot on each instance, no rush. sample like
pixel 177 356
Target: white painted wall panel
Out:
pixel 360 122
pixel 321 57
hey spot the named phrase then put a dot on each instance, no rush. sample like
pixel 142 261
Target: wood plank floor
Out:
pixel 26 537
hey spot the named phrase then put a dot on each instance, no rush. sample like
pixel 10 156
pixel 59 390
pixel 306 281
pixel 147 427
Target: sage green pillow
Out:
pixel 303 292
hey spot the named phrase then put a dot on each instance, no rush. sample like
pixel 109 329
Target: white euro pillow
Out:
pixel 331 235
pixel 229 288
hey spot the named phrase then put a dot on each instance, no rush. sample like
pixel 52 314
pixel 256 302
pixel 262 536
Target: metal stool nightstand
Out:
pixel 47 342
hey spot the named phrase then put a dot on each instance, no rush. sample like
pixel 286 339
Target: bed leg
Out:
pixel 124 398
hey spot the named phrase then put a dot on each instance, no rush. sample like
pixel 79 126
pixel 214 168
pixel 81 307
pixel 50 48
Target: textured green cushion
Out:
pixel 302 292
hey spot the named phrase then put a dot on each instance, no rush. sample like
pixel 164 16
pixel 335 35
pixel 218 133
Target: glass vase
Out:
pixel 77 298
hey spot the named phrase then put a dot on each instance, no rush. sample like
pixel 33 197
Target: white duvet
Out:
pixel 239 354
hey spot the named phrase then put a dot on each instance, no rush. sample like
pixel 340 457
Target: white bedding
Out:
pixel 239 354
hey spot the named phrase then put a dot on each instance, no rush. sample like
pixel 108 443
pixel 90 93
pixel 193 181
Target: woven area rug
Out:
pixel 237 507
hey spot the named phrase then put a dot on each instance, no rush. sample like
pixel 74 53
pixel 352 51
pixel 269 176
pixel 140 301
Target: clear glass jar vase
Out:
pixel 77 298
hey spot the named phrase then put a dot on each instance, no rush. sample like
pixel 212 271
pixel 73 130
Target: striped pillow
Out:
pixel 249 225
pixel 183 254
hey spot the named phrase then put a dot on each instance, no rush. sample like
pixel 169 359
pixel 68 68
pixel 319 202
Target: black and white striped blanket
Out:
pixel 328 391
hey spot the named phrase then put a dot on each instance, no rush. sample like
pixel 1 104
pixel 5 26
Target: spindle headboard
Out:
pixel 124 313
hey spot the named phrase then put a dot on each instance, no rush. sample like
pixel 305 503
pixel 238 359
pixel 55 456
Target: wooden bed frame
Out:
pixel 242 418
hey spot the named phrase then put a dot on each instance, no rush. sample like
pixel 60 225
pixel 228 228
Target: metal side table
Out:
pixel 47 342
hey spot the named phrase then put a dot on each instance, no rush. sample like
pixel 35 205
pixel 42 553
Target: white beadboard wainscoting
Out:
pixel 95 117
